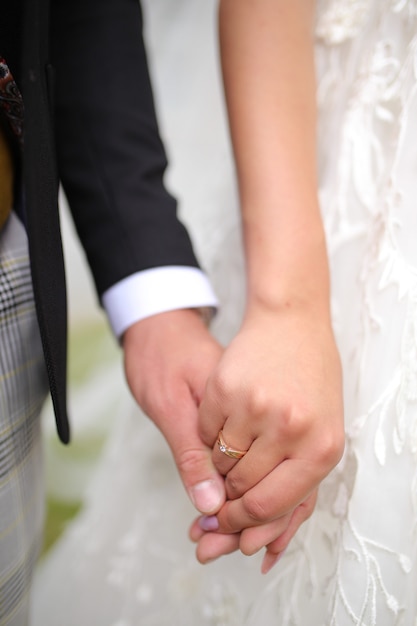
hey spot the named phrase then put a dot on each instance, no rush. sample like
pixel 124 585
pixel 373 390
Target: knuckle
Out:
pixel 248 547
pixel 296 419
pixel 234 486
pixel 222 385
pixel 228 520
pixel 190 461
pixel 258 509
pixel 333 446
pixel 251 541
pixel 259 401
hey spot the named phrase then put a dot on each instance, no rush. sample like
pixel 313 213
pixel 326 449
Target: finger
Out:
pixel 211 545
pixel 222 398
pixel 214 545
pixel 202 482
pixel 300 515
pixel 201 525
pixel 212 415
pixel 275 535
pixel 255 538
pixel 225 456
pixel 277 547
pixel 279 493
pixel 270 559
pixel 251 539
pixel 167 376
pixel 263 456
pixel 196 532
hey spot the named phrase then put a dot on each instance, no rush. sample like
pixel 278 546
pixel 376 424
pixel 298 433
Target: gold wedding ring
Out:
pixel 231 452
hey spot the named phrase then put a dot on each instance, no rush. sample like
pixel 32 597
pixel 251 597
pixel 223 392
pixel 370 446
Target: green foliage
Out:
pixel 91 346
pixel 58 515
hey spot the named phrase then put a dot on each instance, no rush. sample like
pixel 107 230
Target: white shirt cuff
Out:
pixel 156 290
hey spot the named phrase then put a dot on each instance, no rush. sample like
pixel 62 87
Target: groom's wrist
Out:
pixel 158 290
pixel 205 313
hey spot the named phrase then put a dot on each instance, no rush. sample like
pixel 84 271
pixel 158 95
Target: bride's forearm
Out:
pixel 277 391
pixel 268 68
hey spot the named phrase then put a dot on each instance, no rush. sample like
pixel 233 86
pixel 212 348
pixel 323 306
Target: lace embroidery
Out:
pixel 341 20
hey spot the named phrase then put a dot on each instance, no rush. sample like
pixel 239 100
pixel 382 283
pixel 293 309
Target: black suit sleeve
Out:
pixel 110 157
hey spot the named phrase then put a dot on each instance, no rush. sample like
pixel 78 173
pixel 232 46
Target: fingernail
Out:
pixel 270 560
pixel 208 522
pixel 206 496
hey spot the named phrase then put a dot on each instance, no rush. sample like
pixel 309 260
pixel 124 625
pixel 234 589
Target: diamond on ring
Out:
pixel 225 449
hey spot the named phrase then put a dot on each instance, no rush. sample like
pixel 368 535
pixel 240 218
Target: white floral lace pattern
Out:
pixel 356 559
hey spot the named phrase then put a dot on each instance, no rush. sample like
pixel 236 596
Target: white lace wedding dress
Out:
pixel 126 560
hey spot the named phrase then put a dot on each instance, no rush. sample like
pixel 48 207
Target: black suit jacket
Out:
pixel 89 122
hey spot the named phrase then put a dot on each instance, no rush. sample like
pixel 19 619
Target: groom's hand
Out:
pixel 168 358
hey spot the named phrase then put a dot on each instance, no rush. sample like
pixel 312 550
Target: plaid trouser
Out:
pixel 23 387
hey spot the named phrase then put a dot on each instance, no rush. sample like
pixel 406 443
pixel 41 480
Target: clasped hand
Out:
pixel 277 393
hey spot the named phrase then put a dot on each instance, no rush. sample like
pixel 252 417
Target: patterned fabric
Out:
pixel 6 180
pixel 11 110
pixel 23 388
pixel 11 102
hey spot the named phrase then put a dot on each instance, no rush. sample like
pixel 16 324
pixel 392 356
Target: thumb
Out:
pixel 204 485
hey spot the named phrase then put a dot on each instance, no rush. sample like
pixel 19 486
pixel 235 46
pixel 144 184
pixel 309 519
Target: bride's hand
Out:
pixel 211 545
pixel 277 392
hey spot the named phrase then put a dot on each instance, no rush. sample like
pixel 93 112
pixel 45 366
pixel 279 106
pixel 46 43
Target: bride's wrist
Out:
pixel 311 296
pixel 304 298
pixel 314 310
